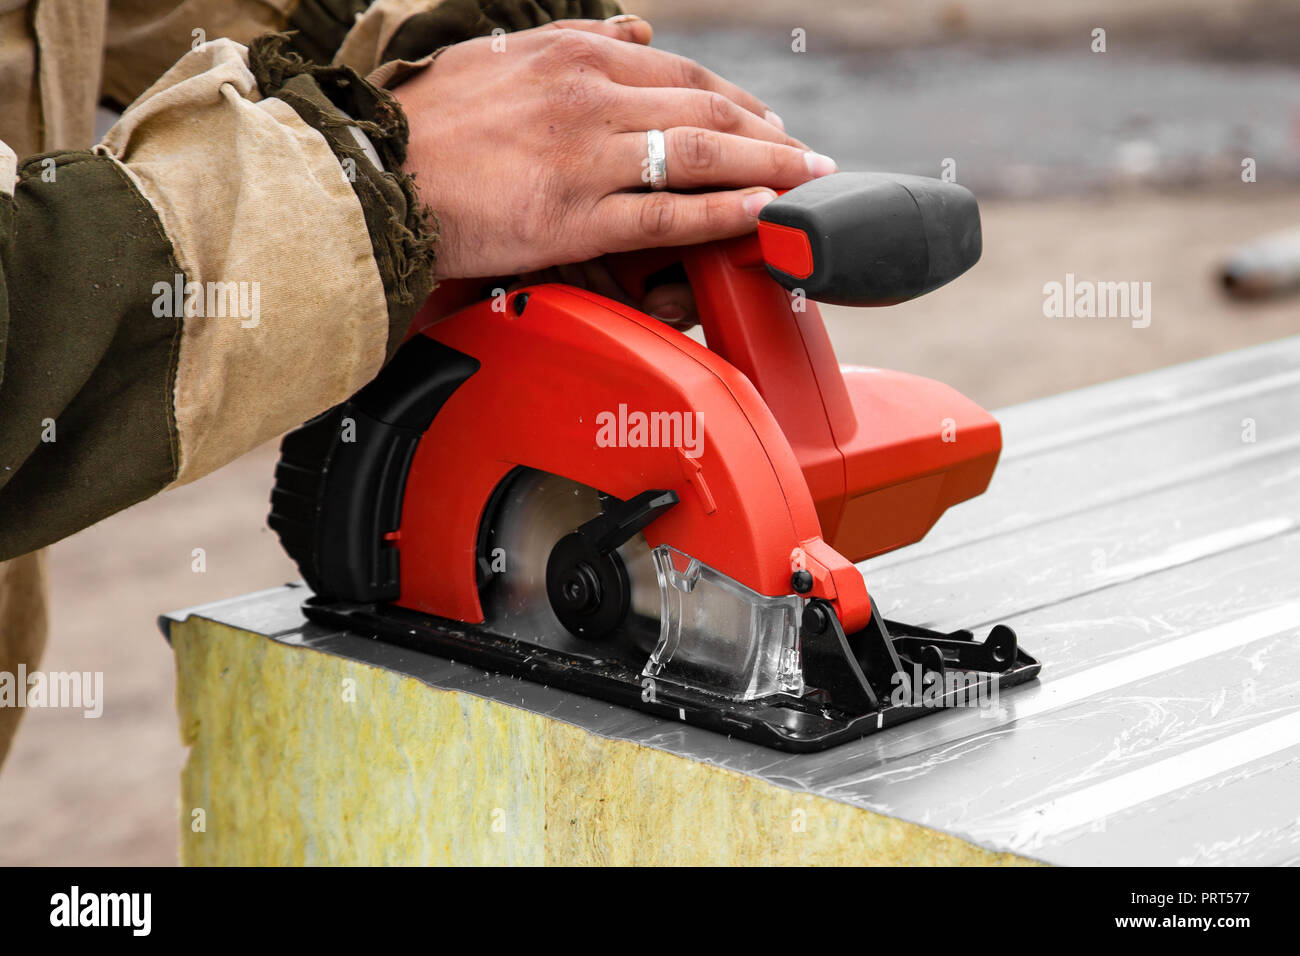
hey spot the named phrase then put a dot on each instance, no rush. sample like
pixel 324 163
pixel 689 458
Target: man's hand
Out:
pixel 531 148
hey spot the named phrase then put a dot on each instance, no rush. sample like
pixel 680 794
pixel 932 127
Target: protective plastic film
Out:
pixel 719 636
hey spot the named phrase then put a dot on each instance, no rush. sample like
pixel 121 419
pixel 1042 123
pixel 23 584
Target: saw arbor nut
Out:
pixel 586 578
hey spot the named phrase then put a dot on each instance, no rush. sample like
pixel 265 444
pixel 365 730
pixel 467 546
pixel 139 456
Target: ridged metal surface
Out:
pixel 1143 537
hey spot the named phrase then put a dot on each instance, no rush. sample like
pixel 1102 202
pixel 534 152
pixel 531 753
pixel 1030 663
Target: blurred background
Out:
pixel 1124 165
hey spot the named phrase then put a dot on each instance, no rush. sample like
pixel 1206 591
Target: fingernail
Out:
pixel 774 120
pixel 819 165
pixel 669 313
pixel 632 27
pixel 755 202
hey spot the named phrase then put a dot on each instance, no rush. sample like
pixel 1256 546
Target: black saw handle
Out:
pixel 867 239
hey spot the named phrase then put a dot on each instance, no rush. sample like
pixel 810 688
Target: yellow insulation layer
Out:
pixel 303 757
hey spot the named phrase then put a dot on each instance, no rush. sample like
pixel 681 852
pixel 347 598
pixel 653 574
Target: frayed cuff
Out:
pixel 403 232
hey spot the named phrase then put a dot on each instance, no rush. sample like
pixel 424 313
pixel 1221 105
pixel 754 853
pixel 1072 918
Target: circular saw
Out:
pixel 552 484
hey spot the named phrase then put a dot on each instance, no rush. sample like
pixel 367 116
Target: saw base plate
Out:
pixel 799 725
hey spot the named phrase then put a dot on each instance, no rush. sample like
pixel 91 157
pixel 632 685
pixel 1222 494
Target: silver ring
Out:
pixel 656 160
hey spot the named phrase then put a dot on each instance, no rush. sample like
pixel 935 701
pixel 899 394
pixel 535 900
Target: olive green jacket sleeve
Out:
pixel 412 29
pixel 226 263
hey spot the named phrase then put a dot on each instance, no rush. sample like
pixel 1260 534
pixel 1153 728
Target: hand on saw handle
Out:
pixel 533 154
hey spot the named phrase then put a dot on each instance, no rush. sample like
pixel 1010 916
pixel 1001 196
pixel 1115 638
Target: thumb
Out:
pixel 624 26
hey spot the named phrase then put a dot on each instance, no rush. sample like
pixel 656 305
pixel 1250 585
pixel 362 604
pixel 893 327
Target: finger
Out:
pixel 642 108
pixel 630 221
pixel 601 281
pixel 702 157
pixel 625 26
pixel 572 274
pixel 643 66
pixel 540 277
pixel 672 304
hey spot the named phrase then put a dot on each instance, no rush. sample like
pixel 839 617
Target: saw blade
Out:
pixel 534 511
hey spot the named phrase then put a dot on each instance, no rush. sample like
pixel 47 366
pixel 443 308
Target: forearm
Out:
pixel 231 185
pixel 412 29
pixel 142 42
pixel 208 196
